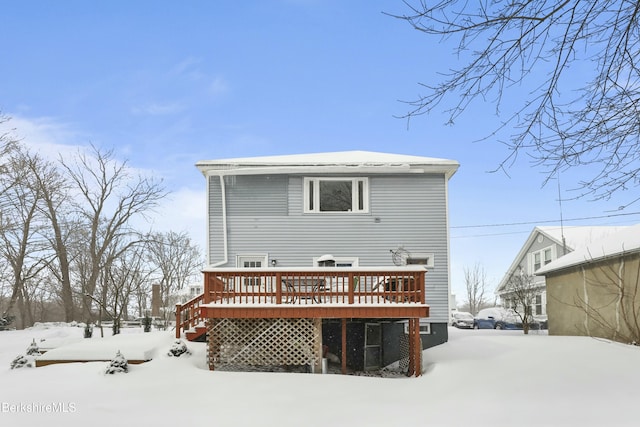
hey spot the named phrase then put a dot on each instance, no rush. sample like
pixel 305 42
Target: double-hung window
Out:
pixel 336 195
pixel 541 258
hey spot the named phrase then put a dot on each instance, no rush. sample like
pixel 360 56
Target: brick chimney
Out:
pixel 155 300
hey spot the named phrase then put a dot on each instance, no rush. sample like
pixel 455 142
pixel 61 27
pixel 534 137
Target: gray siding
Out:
pixel 265 215
pixel 251 195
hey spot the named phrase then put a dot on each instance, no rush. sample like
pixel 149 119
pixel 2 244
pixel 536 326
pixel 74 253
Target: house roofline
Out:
pixel 516 261
pixel 587 261
pixel 316 169
pixel 351 162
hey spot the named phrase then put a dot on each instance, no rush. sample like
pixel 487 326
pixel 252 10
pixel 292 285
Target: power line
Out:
pixel 544 222
pixel 490 234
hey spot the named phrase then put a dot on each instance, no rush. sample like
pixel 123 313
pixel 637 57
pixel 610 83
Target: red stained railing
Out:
pixel 188 314
pixel 314 286
pixel 304 287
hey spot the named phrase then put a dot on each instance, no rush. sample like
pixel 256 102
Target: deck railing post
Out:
pixel 417 363
pixel 352 287
pixel 207 288
pixel 178 320
pixel 278 286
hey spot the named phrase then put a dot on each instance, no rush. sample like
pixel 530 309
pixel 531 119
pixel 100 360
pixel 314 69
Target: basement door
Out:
pixel 250 284
pixel 372 346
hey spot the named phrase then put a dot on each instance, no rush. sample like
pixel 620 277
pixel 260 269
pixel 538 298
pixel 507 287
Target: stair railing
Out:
pixel 188 314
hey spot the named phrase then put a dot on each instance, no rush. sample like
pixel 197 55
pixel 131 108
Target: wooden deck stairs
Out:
pixel 189 320
pixel 197 333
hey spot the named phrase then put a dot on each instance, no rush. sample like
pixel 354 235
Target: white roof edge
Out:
pixel 624 242
pixel 516 260
pixel 333 162
pixel 572 245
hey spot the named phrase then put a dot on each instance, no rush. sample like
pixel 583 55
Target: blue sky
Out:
pixel 169 83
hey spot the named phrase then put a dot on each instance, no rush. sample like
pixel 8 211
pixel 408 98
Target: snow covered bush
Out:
pixel 5 322
pixel 146 322
pixel 28 360
pixel 118 364
pixel 33 349
pixel 178 348
pixel 22 361
pixel 88 330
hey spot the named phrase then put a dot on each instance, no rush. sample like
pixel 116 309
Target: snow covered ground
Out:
pixel 480 378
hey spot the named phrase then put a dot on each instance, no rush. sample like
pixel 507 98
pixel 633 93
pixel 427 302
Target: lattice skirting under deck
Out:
pixel 240 343
pixel 404 352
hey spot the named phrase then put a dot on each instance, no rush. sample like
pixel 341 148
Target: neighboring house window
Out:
pixel 195 290
pixel 538 305
pixel 336 195
pixel 251 261
pixel 540 258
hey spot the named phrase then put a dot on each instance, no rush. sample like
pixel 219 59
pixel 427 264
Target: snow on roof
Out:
pixel 574 237
pixel 335 160
pixel 578 236
pixel 622 241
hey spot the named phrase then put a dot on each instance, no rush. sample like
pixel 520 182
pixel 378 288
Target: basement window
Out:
pixel 425 328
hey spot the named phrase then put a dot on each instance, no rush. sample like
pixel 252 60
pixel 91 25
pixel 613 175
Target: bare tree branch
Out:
pixel 588 119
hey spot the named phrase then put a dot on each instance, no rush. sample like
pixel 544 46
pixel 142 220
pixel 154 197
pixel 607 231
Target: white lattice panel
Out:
pixel 262 342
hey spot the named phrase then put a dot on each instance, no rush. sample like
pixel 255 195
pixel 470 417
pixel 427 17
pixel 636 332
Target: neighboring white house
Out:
pixel 544 245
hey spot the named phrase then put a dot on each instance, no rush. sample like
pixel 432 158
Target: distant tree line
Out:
pixel 69 245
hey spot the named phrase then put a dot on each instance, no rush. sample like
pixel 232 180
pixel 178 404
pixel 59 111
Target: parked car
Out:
pixel 540 322
pixel 462 319
pixel 497 318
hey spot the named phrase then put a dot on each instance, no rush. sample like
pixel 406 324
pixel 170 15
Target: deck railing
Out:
pixel 303 287
pixel 342 285
pixel 188 314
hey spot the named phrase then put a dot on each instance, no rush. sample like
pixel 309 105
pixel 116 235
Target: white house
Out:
pixel 543 246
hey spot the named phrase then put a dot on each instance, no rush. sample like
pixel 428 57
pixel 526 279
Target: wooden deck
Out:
pixel 382 293
pixel 314 293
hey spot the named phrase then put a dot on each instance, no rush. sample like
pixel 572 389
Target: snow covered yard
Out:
pixel 480 378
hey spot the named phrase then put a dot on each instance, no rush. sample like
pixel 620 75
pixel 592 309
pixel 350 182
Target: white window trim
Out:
pixel 355 261
pixel 354 194
pixel 425 328
pixel 418 258
pixel 242 257
pixel 532 269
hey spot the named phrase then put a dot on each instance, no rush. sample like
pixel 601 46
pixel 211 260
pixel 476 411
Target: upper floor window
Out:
pixel 336 195
pixel 540 258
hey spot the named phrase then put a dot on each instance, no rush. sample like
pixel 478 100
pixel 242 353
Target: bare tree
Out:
pixel 566 118
pixel 610 299
pixel 8 179
pixel 110 198
pixel 21 241
pixel 475 280
pixel 55 192
pixel 128 273
pixel 176 259
pixel 522 294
